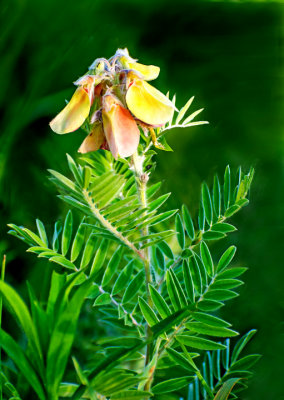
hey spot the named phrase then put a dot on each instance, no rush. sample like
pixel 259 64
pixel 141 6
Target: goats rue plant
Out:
pixel 144 282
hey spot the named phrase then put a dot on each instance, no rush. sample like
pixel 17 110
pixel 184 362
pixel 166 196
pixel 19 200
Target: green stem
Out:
pixel 141 181
pixel 1 303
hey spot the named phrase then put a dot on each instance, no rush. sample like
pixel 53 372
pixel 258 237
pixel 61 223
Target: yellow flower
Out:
pixel 77 110
pixel 94 141
pixel 74 114
pixel 101 100
pixel 148 104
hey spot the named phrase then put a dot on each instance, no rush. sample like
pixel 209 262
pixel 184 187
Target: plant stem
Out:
pixel 141 181
pixel 1 302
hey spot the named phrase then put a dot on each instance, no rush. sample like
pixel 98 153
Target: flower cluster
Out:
pixel 113 100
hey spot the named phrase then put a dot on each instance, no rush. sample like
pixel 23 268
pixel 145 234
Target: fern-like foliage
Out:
pixel 154 284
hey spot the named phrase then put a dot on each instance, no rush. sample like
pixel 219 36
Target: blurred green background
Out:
pixel 227 54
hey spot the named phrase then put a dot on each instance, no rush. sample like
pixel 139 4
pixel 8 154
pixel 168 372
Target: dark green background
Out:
pixel 227 54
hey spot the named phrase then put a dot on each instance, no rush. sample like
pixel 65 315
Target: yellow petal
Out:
pixel 93 141
pixel 149 72
pixel 120 128
pixel 74 114
pixel 148 104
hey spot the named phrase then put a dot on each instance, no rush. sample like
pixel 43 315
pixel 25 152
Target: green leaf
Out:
pixel 123 278
pixel 199 343
pixel 159 257
pixel 159 218
pixel 188 281
pixel 34 237
pixel 147 312
pixel 102 300
pixel 88 250
pixel 227 283
pixel 131 395
pixel 213 235
pixel 159 302
pixel 39 318
pixel 151 190
pixel 245 363
pixel 232 210
pixel 67 233
pixel 180 360
pixel 183 110
pixel 115 383
pixel 217 196
pixel 56 234
pixel 99 258
pixel 244 185
pixel 133 287
pixel 201 218
pixel 63 262
pixel 80 373
pixel 76 204
pixel 192 116
pixel 210 320
pixel 209 330
pixel 21 312
pixel 87 173
pixel 16 353
pixel 223 227
pixel 188 223
pixel 62 338
pixel 196 275
pixel 42 232
pixel 175 291
pixel 226 258
pixel 20 234
pixel 112 265
pixel 227 187
pixel 101 182
pixel 172 385
pixel 110 192
pixel 165 248
pixel 74 169
pixel 63 182
pixel 167 323
pixel 209 305
pixel 57 283
pixel 226 355
pixel 78 241
pixel 220 294
pixel 118 207
pixel 216 360
pixel 232 272
pixel 206 258
pixel 180 231
pixel 241 344
pixel 207 204
pixel 155 204
pixel 226 389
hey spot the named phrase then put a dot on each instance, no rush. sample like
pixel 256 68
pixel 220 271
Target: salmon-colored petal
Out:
pixel 74 114
pixel 149 72
pixel 148 104
pixel 93 141
pixel 120 128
